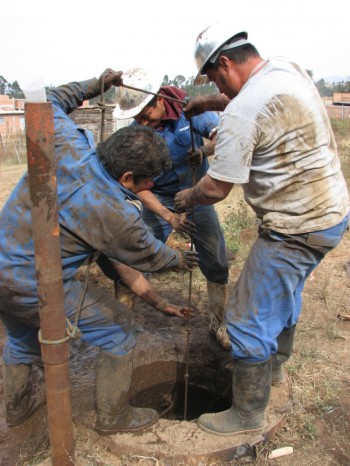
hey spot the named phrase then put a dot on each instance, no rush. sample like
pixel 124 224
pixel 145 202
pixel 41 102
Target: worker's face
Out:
pixel 226 78
pixel 127 181
pixel 151 115
pixel 147 183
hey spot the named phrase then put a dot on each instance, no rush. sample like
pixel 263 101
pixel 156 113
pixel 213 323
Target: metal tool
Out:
pixel 188 328
pixel 183 102
pixel 103 110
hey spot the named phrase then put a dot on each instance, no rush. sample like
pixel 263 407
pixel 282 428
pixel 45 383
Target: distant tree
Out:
pixel 179 80
pixel 343 86
pixel 3 85
pixel 14 91
pixel 310 73
pixel 109 97
pixel 324 89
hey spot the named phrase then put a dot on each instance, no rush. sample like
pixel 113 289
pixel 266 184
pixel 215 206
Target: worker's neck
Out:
pixel 250 68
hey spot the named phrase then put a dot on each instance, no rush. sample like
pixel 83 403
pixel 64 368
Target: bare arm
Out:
pixel 206 192
pixel 152 203
pixel 178 222
pixel 143 288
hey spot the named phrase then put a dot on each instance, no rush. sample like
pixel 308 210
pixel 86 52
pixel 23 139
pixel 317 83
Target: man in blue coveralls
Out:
pixel 164 114
pixel 96 213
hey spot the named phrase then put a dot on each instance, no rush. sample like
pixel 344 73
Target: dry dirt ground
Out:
pixel 318 422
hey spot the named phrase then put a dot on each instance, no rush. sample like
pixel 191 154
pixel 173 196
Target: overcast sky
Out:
pixel 69 40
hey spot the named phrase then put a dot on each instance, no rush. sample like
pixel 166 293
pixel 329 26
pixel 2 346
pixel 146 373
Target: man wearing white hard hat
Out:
pixel 164 114
pixel 276 140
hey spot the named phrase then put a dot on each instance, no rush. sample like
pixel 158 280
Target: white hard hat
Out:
pixel 129 102
pixel 210 43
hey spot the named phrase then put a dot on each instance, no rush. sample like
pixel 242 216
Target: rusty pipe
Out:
pixel 45 227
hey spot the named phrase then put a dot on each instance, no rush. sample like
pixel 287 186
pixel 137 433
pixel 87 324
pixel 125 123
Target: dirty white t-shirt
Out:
pixel 275 138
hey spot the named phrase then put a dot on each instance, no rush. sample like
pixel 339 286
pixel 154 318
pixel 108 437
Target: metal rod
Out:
pixel 183 102
pixel 189 294
pixel 45 227
pixel 103 111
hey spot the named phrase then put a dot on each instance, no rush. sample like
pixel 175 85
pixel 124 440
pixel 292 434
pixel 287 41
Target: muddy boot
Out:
pixel 285 347
pixel 251 385
pixel 114 414
pixel 218 297
pixel 20 405
pixel 124 295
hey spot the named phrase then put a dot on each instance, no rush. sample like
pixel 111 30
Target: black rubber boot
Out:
pixel 251 386
pixel 20 405
pixel 285 342
pixel 114 414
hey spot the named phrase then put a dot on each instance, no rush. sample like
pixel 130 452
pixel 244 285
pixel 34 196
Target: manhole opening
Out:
pixel 169 400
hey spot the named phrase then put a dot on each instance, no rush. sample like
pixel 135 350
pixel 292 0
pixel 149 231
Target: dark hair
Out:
pixel 134 148
pixel 238 55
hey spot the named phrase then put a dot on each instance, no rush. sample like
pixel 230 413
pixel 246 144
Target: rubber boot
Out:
pixel 218 297
pixel 114 414
pixel 124 295
pixel 251 386
pixel 19 403
pixel 285 347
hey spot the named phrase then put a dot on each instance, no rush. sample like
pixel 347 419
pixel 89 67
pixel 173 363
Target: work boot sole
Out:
pixel 227 434
pixel 118 430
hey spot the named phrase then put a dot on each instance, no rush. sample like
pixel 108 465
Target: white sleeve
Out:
pixel 236 140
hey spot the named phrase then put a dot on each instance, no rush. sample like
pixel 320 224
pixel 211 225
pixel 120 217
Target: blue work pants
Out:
pixel 104 322
pixel 267 296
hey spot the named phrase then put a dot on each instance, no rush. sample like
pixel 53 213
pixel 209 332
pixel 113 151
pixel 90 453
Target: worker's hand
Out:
pixel 177 311
pixel 195 157
pixel 183 200
pixel 195 106
pixel 188 260
pixel 110 78
pixel 183 226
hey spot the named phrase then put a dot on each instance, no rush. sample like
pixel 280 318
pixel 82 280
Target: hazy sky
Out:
pixel 65 40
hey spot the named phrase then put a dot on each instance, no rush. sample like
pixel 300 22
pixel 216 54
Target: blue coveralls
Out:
pixel 95 214
pixel 208 240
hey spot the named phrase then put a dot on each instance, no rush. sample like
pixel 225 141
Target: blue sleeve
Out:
pixel 203 124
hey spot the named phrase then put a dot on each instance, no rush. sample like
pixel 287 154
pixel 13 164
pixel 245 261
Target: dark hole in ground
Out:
pixel 169 401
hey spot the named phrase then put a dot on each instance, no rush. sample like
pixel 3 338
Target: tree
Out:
pixel 14 91
pixel 3 85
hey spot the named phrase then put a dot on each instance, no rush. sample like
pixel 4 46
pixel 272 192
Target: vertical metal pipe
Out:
pixel 187 375
pixel 43 195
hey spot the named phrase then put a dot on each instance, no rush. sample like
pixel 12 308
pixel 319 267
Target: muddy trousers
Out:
pixel 267 296
pixel 103 322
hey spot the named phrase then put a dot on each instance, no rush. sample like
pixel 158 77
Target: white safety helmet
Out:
pixel 210 43
pixel 129 102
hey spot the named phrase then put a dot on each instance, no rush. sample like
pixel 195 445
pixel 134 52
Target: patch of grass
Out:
pixel 341 127
pixel 239 219
pixel 310 430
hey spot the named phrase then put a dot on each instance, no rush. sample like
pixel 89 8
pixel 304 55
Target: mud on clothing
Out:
pixel 276 140
pixel 95 214
pixel 208 240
